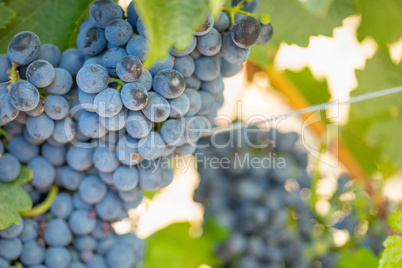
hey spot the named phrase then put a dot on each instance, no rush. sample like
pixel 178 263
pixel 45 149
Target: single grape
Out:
pixel 40 127
pixel 56 107
pixel 110 207
pixel 179 107
pixel 88 22
pixel 5 65
pixel 157 108
pixel 215 86
pixel 138 46
pixel 266 35
pixel 172 132
pixel 210 44
pixel 134 96
pixel 78 203
pixel 185 65
pixel 145 79
pixel 222 23
pixel 120 256
pixel 104 11
pixel 92 190
pixel 22 149
pixel 169 83
pixel 125 178
pixel 32 253
pixel 233 53
pixel 56 155
pixel 132 15
pixel 86 101
pixel 50 53
pixel 118 32
pixel 14 230
pixel 64 131
pixel 96 262
pixel 196 54
pixel 62 206
pixel 92 78
pixel 186 51
pixel 23 48
pixel 85 242
pixel 155 175
pixel 131 196
pixel 127 150
pixel 38 110
pixel 228 69
pixel 23 95
pixel 152 146
pixel 57 233
pixel 193 82
pixel 57 257
pixel 94 60
pixel 91 41
pixel 105 159
pixel 185 150
pixel 207 68
pixel 129 68
pixel 206 26
pixel 160 65
pixel 62 82
pixel 10 249
pixel 111 58
pixel 90 125
pixel 44 173
pixel 246 31
pixel 30 230
pixel 116 122
pixel 140 27
pixel 71 178
pixel 13 128
pixel 81 223
pixel 71 60
pixel 248 6
pixel 79 158
pixel 9 169
pixel 40 73
pixel 108 103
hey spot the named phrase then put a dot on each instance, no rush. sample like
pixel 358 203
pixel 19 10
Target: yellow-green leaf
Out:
pixel 392 255
pixel 395 220
pixel 6 15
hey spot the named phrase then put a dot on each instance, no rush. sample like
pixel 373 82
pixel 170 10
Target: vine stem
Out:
pixel 3 133
pixel 44 206
pixel 118 81
pixel 14 74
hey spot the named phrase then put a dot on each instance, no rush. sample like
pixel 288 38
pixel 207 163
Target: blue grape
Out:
pixel 105 159
pixel 168 151
pixel 90 125
pixel 105 244
pixel 231 52
pixel 110 207
pixel 92 78
pixel 127 150
pixel 186 51
pixel 96 262
pixel 50 53
pixel 118 32
pixel 88 22
pixel 125 178
pixel 155 175
pixel 94 60
pixel 207 25
pixel 85 242
pixel 172 132
pixel 184 150
pixel 215 86
pixel 62 206
pixel 145 79
pixel 248 6
pixel 57 257
pixel 160 65
pixel 56 155
pixel 57 233
pixel 111 58
pixel 9 168
pixel 23 48
pixel 138 46
pixel 86 102
pixel 134 96
pixel 219 99
pixel 40 73
pixel 120 256
pixel 92 190
pixel 79 158
pixel 116 122
pixel 40 127
pixel 71 60
pixel 141 27
pixel 108 103
pixel 38 110
pixel 246 31
pixel 71 178
pixel 228 69
pixel 196 54
pixel 210 44
pixel 132 15
pixel 208 105
pixel 3 88
pixel 131 196
pixel 21 118
pixel 222 23
pixel 157 108
pixel 44 173
pixel 152 146
pixel 77 264
pixel 78 203
pixel 22 149
pixel 207 68
pixel 14 128
pixel 169 83
pixel 81 223
pixel 266 35
pixel 193 82
pixel 179 106
pixel 10 249
pixel 104 11
pixel 194 127
pixel 14 230
pixel 64 131
pixel 31 139
pixel 23 95
pixel 30 230
pixel 5 65
pixel 129 68
pixel 56 107
pixel 62 82
pixel 91 41
pixel 106 177
pixel 185 65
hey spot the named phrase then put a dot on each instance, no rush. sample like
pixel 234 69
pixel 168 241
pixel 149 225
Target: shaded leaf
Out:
pixel 363 257
pixel 6 15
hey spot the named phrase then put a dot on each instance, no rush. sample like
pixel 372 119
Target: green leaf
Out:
pixel 54 21
pixel 186 251
pixel 170 23
pixel 215 7
pixel 6 15
pixel 381 20
pixel 392 254
pixel 13 199
pixel 314 91
pixel 363 257
pixel 294 23
pixel 318 7
pixel 395 220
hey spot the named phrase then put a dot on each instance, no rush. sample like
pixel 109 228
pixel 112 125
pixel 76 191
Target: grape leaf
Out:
pixel 381 20
pixel 392 254
pixel 186 251
pixel 6 15
pixel 363 257
pixel 395 220
pixel 14 199
pixel 53 21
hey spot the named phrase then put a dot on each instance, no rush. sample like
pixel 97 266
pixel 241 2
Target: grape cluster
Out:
pixel 70 235
pixel 271 224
